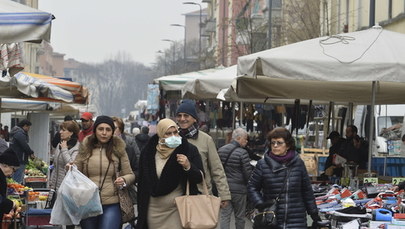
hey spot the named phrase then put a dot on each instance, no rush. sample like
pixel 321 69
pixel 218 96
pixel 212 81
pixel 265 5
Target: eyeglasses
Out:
pixel 172 133
pixel 273 143
pixel 84 120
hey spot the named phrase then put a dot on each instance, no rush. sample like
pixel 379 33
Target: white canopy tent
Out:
pixel 365 67
pixel 208 86
pixel 341 68
pixel 176 82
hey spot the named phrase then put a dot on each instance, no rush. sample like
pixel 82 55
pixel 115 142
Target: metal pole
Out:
pixel 199 42
pixel 370 138
pixel 174 58
pixel 372 15
pixel 269 8
pixel 223 32
pixel 185 41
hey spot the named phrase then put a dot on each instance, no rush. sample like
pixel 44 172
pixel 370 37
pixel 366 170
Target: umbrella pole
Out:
pixel 233 115
pixel 241 109
pixel 370 138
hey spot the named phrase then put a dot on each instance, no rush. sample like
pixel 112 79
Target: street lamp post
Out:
pixel 165 70
pixel 184 54
pixel 270 21
pixel 199 40
pixel 174 53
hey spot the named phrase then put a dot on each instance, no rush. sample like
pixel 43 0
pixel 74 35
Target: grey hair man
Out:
pixel 236 162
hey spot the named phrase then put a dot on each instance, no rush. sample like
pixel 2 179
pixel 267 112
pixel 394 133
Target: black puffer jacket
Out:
pixel 295 201
pixel 237 168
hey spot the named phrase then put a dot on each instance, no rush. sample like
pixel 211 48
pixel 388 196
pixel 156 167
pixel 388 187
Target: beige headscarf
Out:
pixel 163 125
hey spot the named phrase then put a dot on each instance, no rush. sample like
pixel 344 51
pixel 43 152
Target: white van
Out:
pixel 389 121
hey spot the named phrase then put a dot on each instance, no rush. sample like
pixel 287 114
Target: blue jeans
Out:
pixel 18 175
pixel 110 219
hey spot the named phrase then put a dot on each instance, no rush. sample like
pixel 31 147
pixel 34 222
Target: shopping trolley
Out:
pixel 38 217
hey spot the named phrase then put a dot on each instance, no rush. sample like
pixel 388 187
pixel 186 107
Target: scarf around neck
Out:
pixel 191 132
pixel 283 159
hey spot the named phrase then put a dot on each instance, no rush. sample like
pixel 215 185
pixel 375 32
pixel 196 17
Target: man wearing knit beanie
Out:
pixel 188 106
pixel 186 117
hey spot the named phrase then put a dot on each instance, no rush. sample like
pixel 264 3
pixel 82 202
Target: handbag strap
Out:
pixel 229 155
pixel 205 188
pixel 287 175
pixel 105 175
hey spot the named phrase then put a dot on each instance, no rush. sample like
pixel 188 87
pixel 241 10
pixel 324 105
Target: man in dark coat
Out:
pixel 236 162
pixel 347 149
pixel 142 138
pixel 19 144
pixel 336 141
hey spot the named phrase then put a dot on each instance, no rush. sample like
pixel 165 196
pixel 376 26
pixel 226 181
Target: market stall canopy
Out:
pixel 229 95
pixel 9 105
pixel 176 82
pixel 41 86
pixel 340 68
pixel 19 23
pixel 208 86
pixel 12 105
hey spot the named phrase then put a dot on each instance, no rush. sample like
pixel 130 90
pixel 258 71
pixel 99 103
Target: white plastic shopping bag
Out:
pixel 58 214
pixel 80 196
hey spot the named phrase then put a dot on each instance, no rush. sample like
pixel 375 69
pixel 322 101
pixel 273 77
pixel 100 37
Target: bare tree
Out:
pixel 301 20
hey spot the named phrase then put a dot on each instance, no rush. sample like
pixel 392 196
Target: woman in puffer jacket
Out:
pixel 283 172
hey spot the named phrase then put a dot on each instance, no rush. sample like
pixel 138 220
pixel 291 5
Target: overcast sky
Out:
pixel 94 30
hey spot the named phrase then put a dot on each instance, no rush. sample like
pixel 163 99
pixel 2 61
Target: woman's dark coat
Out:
pixel 296 200
pixel 5 204
pixel 172 175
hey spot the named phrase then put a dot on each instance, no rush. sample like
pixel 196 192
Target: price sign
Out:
pixel 373 180
pixel 397 180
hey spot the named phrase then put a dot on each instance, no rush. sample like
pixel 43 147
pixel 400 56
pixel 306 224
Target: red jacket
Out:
pixel 84 133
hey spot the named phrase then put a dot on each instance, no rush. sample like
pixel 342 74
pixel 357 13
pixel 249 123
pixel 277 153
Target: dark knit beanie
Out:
pixel 188 106
pixel 68 118
pixel 103 119
pixel 9 157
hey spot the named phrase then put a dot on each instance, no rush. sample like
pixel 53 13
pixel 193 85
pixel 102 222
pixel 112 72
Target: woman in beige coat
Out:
pixel 99 156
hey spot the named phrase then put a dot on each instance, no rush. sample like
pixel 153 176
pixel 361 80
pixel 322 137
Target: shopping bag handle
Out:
pixel 205 188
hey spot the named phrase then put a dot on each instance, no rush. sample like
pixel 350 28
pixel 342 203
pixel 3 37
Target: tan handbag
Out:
pixel 198 211
pixel 126 205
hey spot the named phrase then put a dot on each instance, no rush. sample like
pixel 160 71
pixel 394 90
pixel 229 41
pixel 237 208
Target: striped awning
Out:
pixel 19 23
pixel 50 88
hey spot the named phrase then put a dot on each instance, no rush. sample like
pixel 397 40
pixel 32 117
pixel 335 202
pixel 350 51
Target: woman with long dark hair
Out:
pixel 100 155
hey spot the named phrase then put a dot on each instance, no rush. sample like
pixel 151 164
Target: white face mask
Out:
pixel 172 141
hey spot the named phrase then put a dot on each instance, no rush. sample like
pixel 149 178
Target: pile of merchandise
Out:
pixel 373 206
pixel 36 168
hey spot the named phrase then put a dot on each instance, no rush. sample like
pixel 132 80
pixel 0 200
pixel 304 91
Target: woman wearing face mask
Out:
pixel 165 165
